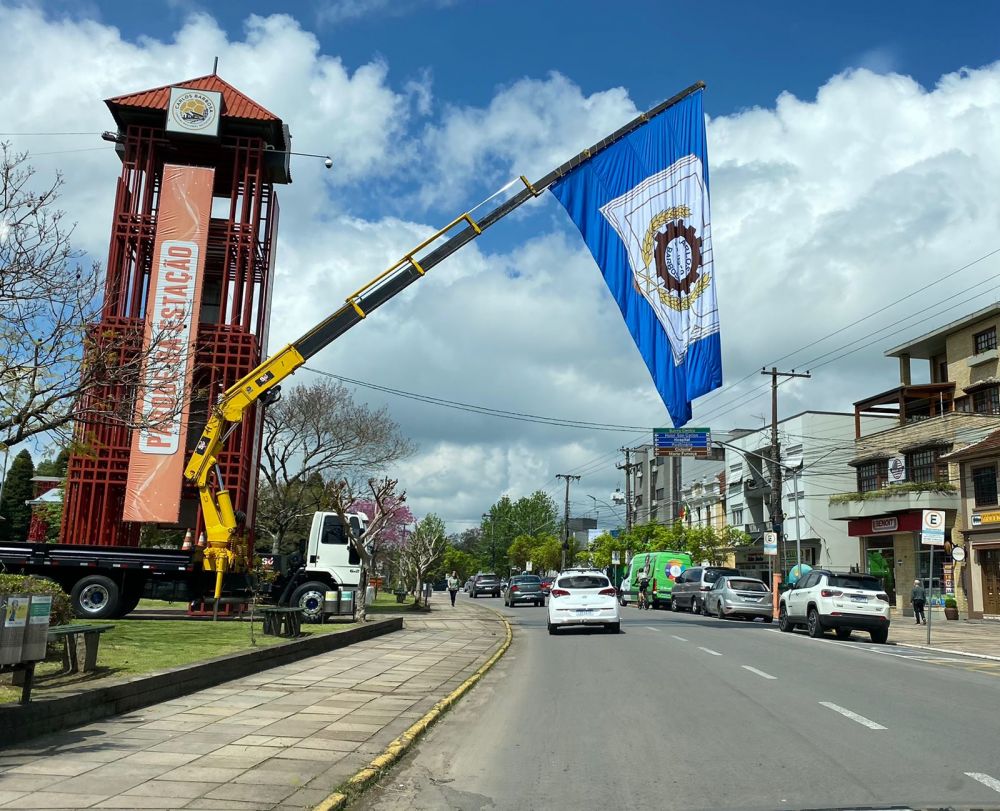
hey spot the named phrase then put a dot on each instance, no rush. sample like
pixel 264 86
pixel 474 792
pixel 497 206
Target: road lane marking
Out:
pixel 867 722
pixel 679 638
pixel 985 779
pixel 650 628
pixel 709 650
pixel 760 673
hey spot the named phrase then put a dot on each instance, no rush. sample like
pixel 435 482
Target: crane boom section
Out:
pixel 217 509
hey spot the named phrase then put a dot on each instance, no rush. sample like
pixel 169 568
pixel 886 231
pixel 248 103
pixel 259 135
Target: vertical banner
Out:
pixel 156 466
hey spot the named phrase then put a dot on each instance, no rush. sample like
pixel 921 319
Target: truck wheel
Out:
pixel 96 597
pixel 309 597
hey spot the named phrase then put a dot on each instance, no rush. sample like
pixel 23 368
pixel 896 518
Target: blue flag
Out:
pixel 642 207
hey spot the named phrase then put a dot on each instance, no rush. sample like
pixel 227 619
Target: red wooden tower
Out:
pixel 206 127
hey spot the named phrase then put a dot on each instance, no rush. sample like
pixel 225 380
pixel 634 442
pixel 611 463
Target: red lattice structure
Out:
pixel 249 156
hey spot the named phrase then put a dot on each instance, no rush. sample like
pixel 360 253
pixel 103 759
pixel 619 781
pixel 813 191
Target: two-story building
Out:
pixel 911 466
pixel 655 483
pixel 811 443
pixel 703 500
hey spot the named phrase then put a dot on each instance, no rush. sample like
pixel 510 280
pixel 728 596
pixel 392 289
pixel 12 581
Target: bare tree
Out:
pixel 315 436
pixel 385 501
pixel 57 365
pixel 424 551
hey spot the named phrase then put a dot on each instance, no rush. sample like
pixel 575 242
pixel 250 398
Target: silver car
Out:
pixel 733 596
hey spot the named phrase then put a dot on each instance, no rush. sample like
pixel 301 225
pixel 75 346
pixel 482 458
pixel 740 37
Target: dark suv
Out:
pixel 485 584
pixel 689 588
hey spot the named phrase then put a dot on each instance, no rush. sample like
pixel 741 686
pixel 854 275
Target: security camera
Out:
pixel 328 163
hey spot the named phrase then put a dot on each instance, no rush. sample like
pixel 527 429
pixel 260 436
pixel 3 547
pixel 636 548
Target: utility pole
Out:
pixel 627 467
pixel 565 543
pixel 777 516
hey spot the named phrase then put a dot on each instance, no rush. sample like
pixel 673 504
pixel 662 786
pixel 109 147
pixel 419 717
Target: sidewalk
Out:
pixel 282 739
pixel 972 637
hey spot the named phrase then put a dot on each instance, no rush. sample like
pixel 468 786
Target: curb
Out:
pixel 949 650
pixel 395 750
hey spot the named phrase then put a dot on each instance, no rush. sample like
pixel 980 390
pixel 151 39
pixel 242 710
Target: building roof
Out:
pixel 933 343
pixel 988 446
pixel 234 103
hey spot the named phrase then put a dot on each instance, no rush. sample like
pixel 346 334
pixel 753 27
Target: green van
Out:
pixel 663 569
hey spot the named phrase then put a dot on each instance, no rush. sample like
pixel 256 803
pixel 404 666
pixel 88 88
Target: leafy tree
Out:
pixel 522 550
pixel 533 515
pixel 459 561
pixel 702 543
pixel 54 467
pixel 17 489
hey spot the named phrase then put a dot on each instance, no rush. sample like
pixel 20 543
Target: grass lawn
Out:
pixel 133 647
pixel 385 603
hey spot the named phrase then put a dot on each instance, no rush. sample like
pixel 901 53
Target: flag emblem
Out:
pixel 667 235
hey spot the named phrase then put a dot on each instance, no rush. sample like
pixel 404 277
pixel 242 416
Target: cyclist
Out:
pixel 643 591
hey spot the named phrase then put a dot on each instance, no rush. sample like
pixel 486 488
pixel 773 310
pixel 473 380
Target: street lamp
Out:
pixel 493 553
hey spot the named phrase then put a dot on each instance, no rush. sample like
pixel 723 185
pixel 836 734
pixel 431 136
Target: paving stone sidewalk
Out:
pixel 282 739
pixel 979 637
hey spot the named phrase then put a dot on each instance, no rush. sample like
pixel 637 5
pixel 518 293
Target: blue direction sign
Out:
pixel 682 441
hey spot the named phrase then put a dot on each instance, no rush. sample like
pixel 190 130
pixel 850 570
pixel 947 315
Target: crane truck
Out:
pixel 109 581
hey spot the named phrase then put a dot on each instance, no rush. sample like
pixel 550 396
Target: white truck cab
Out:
pixel 329 551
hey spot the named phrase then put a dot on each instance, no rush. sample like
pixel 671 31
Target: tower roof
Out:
pixel 234 103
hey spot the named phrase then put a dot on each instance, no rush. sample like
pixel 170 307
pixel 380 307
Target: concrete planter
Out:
pixel 950 613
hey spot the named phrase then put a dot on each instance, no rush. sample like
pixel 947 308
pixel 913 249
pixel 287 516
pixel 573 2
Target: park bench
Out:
pixel 282 621
pixel 70 635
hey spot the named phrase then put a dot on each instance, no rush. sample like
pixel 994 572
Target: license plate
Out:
pixel 582 612
pixel 859 598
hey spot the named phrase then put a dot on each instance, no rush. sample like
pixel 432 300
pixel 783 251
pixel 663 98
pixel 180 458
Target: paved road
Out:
pixel 688 712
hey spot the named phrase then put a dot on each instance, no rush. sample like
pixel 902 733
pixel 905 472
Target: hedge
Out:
pixel 62 610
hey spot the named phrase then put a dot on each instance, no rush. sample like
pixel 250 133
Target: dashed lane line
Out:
pixel 867 722
pixel 985 779
pixel 679 638
pixel 760 673
pixel 710 651
pixel 650 628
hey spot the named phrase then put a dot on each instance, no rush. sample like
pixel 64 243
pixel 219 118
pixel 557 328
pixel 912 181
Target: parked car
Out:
pixel 845 602
pixel 663 569
pixel 694 583
pixel 732 596
pixel 487 583
pixel 583 598
pixel 467 588
pixel 546 585
pixel 525 588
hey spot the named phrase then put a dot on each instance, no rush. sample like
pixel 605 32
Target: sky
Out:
pixel 853 156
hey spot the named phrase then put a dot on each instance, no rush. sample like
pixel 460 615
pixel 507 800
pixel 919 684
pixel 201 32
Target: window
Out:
pixel 872 475
pixel 659 493
pixel 854 581
pixel 737 516
pixel 986 401
pixel 583 581
pixel 984 483
pixel 922 466
pixel 943 372
pixel 985 341
pixel 333 530
pixel 745 585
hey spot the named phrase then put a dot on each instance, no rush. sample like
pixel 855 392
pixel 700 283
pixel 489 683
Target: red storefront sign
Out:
pixel 885 524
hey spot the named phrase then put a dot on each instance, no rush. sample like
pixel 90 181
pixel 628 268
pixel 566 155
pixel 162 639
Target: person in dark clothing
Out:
pixel 919 598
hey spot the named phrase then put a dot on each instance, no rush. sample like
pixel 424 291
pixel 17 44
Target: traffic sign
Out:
pixel 770 543
pixel 615 558
pixel 695 442
pixel 932 528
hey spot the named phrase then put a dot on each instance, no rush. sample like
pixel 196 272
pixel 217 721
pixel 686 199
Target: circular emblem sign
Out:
pixel 194 111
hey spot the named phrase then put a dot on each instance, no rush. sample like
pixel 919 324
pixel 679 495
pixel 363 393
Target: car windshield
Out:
pixel 583 581
pixel 854 581
pixel 487 577
pixel 711 575
pixel 746 585
pixel 526 579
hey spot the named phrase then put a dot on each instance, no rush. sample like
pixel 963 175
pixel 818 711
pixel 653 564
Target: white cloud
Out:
pixel 824 210
pixel 336 12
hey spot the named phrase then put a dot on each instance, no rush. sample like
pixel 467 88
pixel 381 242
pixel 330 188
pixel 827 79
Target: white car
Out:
pixel 845 602
pixel 583 597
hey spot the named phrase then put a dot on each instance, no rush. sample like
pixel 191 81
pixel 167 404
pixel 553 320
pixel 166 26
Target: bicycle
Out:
pixel 643 601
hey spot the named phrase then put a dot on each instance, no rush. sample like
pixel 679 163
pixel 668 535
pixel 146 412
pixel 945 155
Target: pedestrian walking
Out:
pixel 919 598
pixel 453 587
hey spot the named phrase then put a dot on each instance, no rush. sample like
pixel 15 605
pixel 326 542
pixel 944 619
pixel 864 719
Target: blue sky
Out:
pixel 853 161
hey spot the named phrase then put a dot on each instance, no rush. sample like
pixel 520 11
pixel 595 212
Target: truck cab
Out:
pixel 329 551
